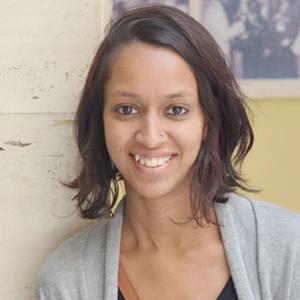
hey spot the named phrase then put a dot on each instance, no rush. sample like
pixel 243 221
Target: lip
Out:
pixel 156 171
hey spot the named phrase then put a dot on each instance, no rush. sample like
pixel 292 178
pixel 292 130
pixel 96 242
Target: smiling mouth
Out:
pixel 153 162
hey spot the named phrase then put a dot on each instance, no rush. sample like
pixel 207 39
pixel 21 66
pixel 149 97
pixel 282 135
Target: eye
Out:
pixel 126 110
pixel 177 111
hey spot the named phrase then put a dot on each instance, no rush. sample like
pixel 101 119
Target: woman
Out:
pixel 162 111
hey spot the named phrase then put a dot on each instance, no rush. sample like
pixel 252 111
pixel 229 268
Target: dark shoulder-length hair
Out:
pixel 229 136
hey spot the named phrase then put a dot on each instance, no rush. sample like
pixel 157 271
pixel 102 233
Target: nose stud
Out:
pixel 146 138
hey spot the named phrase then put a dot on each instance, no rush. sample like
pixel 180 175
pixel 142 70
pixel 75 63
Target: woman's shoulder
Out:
pixel 64 268
pixel 267 218
pixel 77 267
pixel 266 211
pixel 269 238
pixel 76 245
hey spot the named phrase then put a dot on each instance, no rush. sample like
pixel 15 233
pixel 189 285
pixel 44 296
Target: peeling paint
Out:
pixel 35 97
pixel 44 155
pixel 2 149
pixel 50 155
pixel 17 143
pixel 62 123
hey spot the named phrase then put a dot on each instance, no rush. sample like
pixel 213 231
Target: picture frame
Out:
pixel 265 37
pixel 260 40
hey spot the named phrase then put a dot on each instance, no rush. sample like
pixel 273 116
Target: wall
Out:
pixel 46 47
pixel 273 164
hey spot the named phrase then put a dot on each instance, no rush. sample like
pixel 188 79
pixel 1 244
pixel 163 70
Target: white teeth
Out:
pixel 152 162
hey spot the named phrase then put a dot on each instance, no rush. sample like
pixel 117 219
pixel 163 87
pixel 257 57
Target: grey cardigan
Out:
pixel 262 245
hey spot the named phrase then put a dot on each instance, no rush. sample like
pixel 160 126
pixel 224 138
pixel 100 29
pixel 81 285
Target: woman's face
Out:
pixel 152 90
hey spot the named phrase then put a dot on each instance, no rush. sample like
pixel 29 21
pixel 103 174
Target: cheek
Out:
pixel 116 138
pixel 193 144
pixel 191 136
pixel 109 133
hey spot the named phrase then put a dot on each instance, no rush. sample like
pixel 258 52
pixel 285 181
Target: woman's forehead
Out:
pixel 142 65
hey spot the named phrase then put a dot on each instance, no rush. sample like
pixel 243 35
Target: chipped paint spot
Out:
pixel 17 143
pixel 62 123
pixel 2 149
pixel 67 75
pixel 35 97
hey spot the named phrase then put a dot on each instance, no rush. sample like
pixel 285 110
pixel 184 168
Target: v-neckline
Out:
pixel 230 241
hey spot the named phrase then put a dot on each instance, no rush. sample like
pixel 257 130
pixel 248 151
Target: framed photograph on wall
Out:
pixel 120 5
pixel 260 39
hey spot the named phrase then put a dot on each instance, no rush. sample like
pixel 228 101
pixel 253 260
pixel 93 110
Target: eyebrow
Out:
pixel 124 94
pixel 179 94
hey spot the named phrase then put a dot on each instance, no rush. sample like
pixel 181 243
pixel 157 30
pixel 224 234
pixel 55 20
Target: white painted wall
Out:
pixel 46 47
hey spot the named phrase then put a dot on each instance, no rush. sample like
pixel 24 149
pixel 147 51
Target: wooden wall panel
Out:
pixel 43 77
pixel 45 48
pixel 36 209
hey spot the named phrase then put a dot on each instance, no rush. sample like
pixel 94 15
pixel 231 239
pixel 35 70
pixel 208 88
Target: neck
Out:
pixel 164 224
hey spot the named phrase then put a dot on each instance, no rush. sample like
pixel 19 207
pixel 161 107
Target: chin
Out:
pixel 151 192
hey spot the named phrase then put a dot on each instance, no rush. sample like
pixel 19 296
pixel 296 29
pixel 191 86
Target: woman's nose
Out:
pixel 151 133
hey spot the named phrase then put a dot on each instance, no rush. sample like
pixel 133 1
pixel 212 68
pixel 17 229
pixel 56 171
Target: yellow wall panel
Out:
pixel 273 164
